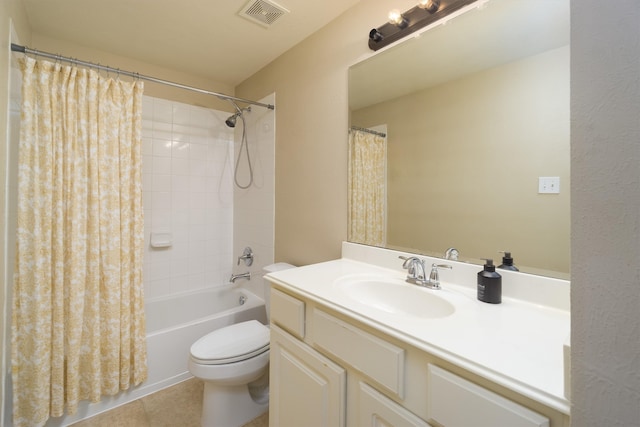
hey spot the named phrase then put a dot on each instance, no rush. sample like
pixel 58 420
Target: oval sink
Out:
pixel 395 296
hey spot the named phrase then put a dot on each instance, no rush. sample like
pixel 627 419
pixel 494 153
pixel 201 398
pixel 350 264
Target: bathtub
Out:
pixel 173 324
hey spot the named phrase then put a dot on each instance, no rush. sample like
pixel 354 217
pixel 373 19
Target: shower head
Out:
pixel 231 121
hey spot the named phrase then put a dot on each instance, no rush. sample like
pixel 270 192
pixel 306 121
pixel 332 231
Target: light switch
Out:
pixel 549 185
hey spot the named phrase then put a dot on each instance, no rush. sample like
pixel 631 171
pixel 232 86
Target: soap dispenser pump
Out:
pixel 507 261
pixel 489 284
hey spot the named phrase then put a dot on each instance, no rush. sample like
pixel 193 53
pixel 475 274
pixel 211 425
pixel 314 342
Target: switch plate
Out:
pixel 549 185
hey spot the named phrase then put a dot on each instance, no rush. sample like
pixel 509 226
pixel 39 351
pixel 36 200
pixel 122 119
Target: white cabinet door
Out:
pixel 377 410
pixel 306 389
pixel 456 402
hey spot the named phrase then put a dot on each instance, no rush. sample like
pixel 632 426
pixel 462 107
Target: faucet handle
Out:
pixel 434 277
pixel 247 257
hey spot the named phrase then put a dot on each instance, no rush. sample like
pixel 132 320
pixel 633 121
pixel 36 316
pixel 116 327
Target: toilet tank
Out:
pixel 278 266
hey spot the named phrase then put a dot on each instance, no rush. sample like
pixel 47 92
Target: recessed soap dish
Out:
pixel 161 240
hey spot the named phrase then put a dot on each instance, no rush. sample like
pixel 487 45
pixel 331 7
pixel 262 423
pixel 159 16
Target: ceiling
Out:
pixel 205 38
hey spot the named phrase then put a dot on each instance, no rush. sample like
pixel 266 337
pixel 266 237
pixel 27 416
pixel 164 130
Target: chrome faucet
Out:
pixel 416 273
pixel 246 275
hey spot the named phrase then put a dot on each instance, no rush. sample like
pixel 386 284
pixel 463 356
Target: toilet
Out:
pixel 233 362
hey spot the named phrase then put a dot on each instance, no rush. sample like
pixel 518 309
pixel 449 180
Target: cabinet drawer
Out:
pixel 379 360
pixel 375 409
pixel 287 312
pixel 455 402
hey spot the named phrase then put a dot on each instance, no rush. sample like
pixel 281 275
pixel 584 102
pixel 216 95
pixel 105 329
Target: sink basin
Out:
pixel 395 296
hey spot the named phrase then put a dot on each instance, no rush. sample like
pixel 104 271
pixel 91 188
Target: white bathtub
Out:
pixel 173 324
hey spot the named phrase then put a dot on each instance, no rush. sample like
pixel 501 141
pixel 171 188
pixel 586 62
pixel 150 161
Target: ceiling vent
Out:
pixel 263 12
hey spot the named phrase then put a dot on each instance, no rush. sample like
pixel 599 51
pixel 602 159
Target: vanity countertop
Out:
pixel 517 344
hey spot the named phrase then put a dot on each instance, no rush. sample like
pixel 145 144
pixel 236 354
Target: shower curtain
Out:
pixel 78 322
pixel 367 187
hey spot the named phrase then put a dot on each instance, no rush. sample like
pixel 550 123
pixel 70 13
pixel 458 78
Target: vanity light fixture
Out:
pixel 402 24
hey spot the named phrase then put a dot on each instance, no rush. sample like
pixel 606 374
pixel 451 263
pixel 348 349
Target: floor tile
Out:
pixel 177 406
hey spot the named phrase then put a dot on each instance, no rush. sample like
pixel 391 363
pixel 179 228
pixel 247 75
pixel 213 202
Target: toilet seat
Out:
pixel 234 343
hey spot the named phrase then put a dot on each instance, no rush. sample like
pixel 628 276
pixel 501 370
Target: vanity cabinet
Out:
pixel 330 369
pixel 306 388
pixel 375 410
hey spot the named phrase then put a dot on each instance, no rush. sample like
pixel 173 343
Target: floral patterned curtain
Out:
pixel 367 188
pixel 78 309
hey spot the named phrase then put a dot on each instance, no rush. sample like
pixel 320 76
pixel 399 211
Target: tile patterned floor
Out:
pixel 177 406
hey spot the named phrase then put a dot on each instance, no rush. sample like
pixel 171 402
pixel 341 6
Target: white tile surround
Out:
pixel 188 163
pixel 188 192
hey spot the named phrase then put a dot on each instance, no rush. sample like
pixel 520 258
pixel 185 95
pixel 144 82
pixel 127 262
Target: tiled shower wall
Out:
pixel 254 207
pixel 188 193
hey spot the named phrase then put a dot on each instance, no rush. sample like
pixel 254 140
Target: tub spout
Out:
pixel 246 275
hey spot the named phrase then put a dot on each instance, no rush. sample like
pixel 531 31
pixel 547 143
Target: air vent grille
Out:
pixel 263 12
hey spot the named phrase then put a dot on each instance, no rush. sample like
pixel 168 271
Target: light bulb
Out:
pixel 396 18
pixel 430 6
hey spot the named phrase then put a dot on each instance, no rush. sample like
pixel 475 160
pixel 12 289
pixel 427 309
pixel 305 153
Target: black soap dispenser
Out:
pixel 507 262
pixel 489 284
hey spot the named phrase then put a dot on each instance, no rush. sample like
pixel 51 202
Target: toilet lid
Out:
pixel 232 343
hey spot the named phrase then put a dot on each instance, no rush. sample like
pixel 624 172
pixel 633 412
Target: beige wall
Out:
pixel 73 50
pixel 11 12
pixel 464 160
pixel 310 82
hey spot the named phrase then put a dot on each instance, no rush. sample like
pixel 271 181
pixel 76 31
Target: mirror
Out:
pixel 475 112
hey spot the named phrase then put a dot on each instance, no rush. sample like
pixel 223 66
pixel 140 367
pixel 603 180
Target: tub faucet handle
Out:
pixel 247 257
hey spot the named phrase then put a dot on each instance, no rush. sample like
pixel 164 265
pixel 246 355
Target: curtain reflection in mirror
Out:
pixel 367 187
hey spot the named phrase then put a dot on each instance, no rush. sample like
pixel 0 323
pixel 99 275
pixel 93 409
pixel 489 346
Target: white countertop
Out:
pixel 516 344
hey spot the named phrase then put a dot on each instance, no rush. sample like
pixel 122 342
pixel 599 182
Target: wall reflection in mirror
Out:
pixel 475 112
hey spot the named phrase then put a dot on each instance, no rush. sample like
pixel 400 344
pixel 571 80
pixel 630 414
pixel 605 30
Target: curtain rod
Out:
pixel 384 135
pixel 26 50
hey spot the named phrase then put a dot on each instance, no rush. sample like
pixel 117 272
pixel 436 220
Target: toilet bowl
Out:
pixel 233 364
